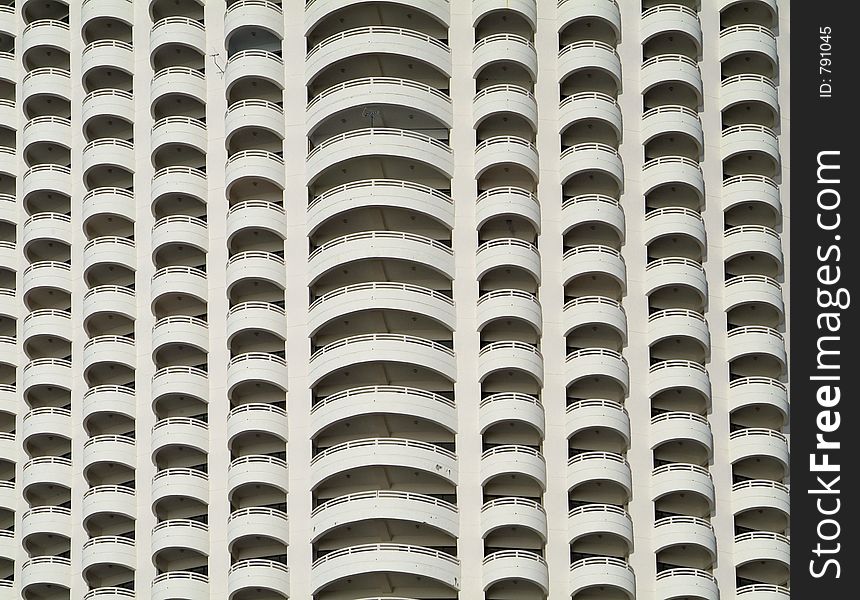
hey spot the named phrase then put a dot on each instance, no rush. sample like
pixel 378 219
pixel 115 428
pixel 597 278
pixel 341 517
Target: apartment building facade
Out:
pixel 414 299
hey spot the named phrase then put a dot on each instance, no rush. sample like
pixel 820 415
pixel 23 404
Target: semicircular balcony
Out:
pixel 46 421
pixel 384 504
pixel 255 418
pixel 253 575
pixel 667 275
pixel 754 298
pixel 513 460
pixel 507 150
pixel 762 556
pixel 509 304
pixel 260 64
pixel 184 584
pixel 178 80
pixel 182 281
pixel 380 40
pixel 107 103
pixel 383 399
pixel 760 496
pixel 595 467
pixel 177 30
pixel 748 39
pixel 255 114
pixel 759 452
pixel 46 81
pixel 383 295
pixel 180 330
pixel 47 471
pixel 394 245
pixel 672 120
pixel 113 500
pixel 523 566
pixel 672 19
pixel 671 69
pixel 592 259
pixel 684 432
pixel 589 54
pixel 47 322
pixel 256 265
pixel 681 479
pixel 47 178
pixel 510 356
pixel 48 521
pixel 109 349
pixel 749 89
pixel 49 130
pixel 256 215
pixel 754 343
pixel 387 452
pixel 678 332
pixel 187 432
pixel 102 556
pixel 678 171
pixel 180 483
pixel 113 54
pixel 595 209
pixel 762 591
pixel 177 132
pixel 120 10
pixel 111 251
pixel 756 141
pixel 679 375
pixel 600 520
pixel 756 191
pixel 596 414
pixel 502 513
pixel 503 201
pixel 502 99
pixel 47 33
pixel 256 367
pixel 595 311
pixel 745 242
pixel 255 317
pixel 694 584
pixel 588 107
pixel 573 11
pixel 601 363
pixel 683 539
pixel 43 574
pixel 592 157
pixel 507 253
pixel 179 181
pixel 180 381
pixel 504 47
pixel 599 573
pixel 757 395
pixel 255 164
pixel 179 534
pixel 107 153
pixel 263 14
pixel 258 522
pixel 413 561
pixel 108 201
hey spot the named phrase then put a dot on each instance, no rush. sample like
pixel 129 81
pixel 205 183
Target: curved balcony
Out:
pixel 507 150
pixel 181 584
pixel 109 499
pixel 110 299
pixel 382 193
pixel 382 347
pixel 397 506
pixel 502 201
pixel 589 54
pixel 686 583
pixel 602 572
pixel 513 512
pixel 671 68
pixel 759 392
pixel 46 571
pixel 178 131
pixel 381 295
pixel 46 520
pixel 7 20
pixel 47 470
pixel 672 170
pixel 600 520
pixel 47 322
pixel 182 381
pixel 50 33
pixel 8 495
pixel 748 38
pixel 379 141
pixel 257 470
pixel 761 546
pixel 180 483
pixel 47 130
pixel 8 112
pixel 392 245
pixel 180 330
pixel 743 189
pixel 179 534
pixel 592 310
pixel 377 40
pixel 51 372
pixel 597 414
pixel 8 545
pixel 415 561
pixel 762 591
pixel 678 323
pixel 599 466
pixel 120 10
pixel 110 551
pixel 510 356
pixel 256 214
pixel 672 120
pixel 395 91
pixel 7 62
pixel 592 156
pixel 183 81
pixel 110 250
pixel 108 102
pixel 755 442
pixel 108 54
pixel 386 452
pixel 317 10
pixel 255 367
pixel 508 304
pixel 574 10
pixel 256 114
pixel 108 152
pixel 256 522
pixel 254 13
pixel 504 46
pixel 256 265
pixel 679 478
pixel 184 431
pixel 43 178
pixel 254 574
pixel 756 340
pixel 255 164
pixel 505 98
pixel 257 316
pixel 594 258
pixel 754 289
pixel 254 63
pixel 684 531
pixel 674 18
pixel 179 180
pixel 743 139
pixel 383 399
pixel 522 565
pixel 593 208
pixel 678 374
pixel 673 272
pixel 508 252
pixel 47 421
pixel 759 495
pixel 527 9
pixel 8 162
pixel 257 417
pixel 47 81
pixel 180 31
pixel 590 106
pixel 749 88
pixel 513 460
pixel 679 426
pixel 597 362
pixel 108 201
pixel 114 349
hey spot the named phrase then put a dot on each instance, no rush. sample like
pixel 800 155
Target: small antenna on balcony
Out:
pixel 372 114
pixel 214 56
